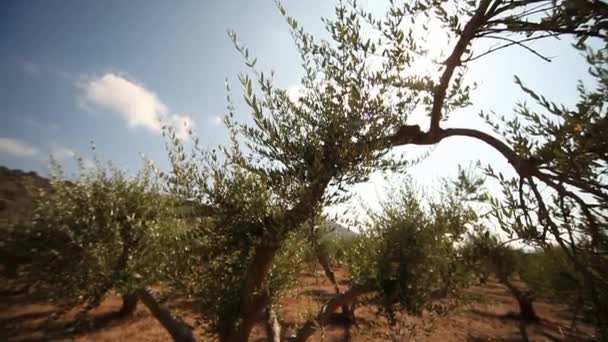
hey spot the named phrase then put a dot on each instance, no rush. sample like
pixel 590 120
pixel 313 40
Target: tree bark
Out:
pixel 273 327
pixel 323 259
pixel 412 135
pixel 339 300
pixel 10 270
pixel 454 60
pixel 129 304
pixel 178 329
pixel 524 299
pixel 11 264
pixel 483 278
pixel 526 310
pixel 254 297
pixel 329 272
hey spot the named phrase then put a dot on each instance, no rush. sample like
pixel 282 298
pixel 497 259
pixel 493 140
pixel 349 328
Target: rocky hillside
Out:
pixel 334 230
pixel 17 190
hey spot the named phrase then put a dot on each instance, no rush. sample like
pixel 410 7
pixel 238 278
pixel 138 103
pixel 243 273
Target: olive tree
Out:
pixel 568 156
pixel 485 253
pixel 285 167
pixel 360 89
pixel 405 258
pixel 561 148
pixel 551 274
pixel 104 230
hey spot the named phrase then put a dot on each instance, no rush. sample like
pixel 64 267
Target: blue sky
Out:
pixel 62 63
pixel 76 71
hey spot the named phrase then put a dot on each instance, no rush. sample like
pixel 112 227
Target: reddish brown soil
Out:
pixel 484 317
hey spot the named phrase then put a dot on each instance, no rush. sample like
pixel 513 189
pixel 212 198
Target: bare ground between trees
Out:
pixel 488 315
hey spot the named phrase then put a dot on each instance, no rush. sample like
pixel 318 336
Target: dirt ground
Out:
pixel 486 315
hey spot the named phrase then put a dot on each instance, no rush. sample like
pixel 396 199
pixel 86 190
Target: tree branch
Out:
pixel 512 42
pixel 324 314
pixel 454 60
pixel 585 185
pixel 531 28
pixel 596 236
pixel 178 329
pixel 412 135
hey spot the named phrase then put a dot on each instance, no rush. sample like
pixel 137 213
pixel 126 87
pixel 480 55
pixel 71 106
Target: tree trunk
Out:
pixel 273 327
pixel 351 311
pixel 10 269
pixel 483 278
pixel 178 329
pixel 524 299
pixel 254 298
pixel 329 273
pixel 11 264
pixel 129 304
pixel 339 300
pixel 523 331
pixel 526 310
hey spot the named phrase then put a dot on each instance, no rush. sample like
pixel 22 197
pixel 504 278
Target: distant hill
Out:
pixel 336 230
pixel 17 190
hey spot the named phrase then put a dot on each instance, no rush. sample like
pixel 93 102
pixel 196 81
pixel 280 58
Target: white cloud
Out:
pixel 183 124
pixel 17 147
pixel 137 105
pixel 61 153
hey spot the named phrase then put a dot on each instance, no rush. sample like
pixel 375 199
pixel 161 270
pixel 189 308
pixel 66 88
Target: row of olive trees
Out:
pixel 103 231
pixel 296 158
pixel 253 198
pixel 107 231
pixel 368 77
pixel 527 274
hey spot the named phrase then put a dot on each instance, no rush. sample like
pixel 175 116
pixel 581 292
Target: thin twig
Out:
pixel 511 43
